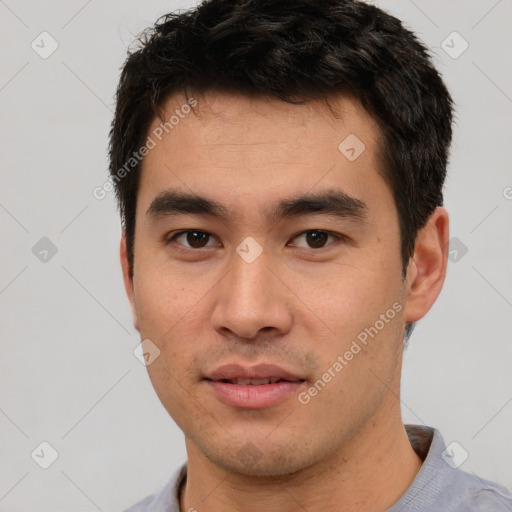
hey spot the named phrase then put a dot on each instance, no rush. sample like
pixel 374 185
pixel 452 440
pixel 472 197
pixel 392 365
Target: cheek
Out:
pixel 349 298
pixel 169 310
pixel 165 319
pixel 363 310
pixel 357 364
pixel 164 297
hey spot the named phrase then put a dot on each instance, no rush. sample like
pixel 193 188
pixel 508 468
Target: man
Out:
pixel 279 170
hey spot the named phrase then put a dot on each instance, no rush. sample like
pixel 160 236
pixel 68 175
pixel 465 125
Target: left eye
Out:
pixel 315 238
pixel 195 239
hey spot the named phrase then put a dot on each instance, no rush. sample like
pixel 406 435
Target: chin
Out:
pixel 268 461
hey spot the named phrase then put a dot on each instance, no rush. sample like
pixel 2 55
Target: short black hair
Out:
pixel 296 51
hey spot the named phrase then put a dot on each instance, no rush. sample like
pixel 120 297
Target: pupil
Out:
pixel 195 238
pixel 316 238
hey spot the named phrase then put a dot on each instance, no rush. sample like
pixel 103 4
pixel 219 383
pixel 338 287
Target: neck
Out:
pixel 369 474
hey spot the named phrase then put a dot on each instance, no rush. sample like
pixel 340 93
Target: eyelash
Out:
pixel 171 238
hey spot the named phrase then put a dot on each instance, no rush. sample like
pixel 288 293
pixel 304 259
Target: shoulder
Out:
pixel 441 485
pixel 142 505
pixel 470 493
pixel 165 499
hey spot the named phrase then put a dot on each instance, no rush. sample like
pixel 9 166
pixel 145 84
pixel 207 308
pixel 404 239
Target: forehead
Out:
pixel 231 146
pixel 221 119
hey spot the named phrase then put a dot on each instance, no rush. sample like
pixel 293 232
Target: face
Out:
pixel 288 268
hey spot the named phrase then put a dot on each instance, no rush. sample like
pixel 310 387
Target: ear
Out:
pixel 128 280
pixel 427 267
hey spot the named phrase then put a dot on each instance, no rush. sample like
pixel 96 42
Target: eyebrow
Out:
pixel 334 202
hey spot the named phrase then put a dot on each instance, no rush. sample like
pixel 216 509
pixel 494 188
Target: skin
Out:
pixel 296 306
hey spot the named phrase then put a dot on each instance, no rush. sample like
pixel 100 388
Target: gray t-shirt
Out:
pixel 437 487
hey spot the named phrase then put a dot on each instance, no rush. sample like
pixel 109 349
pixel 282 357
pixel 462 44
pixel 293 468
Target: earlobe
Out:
pixel 427 270
pixel 128 280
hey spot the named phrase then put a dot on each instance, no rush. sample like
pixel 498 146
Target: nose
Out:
pixel 251 301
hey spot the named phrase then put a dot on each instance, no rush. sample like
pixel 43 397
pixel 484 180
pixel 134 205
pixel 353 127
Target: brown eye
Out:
pixel 315 238
pixel 193 239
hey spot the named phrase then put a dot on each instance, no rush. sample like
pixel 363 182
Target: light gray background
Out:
pixel 68 373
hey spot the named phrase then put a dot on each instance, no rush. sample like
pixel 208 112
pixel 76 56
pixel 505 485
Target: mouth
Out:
pixel 241 381
pixel 258 387
pixel 255 375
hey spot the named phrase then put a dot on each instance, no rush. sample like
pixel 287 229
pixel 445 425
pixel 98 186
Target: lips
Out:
pixel 253 382
pixel 255 376
pixel 257 387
